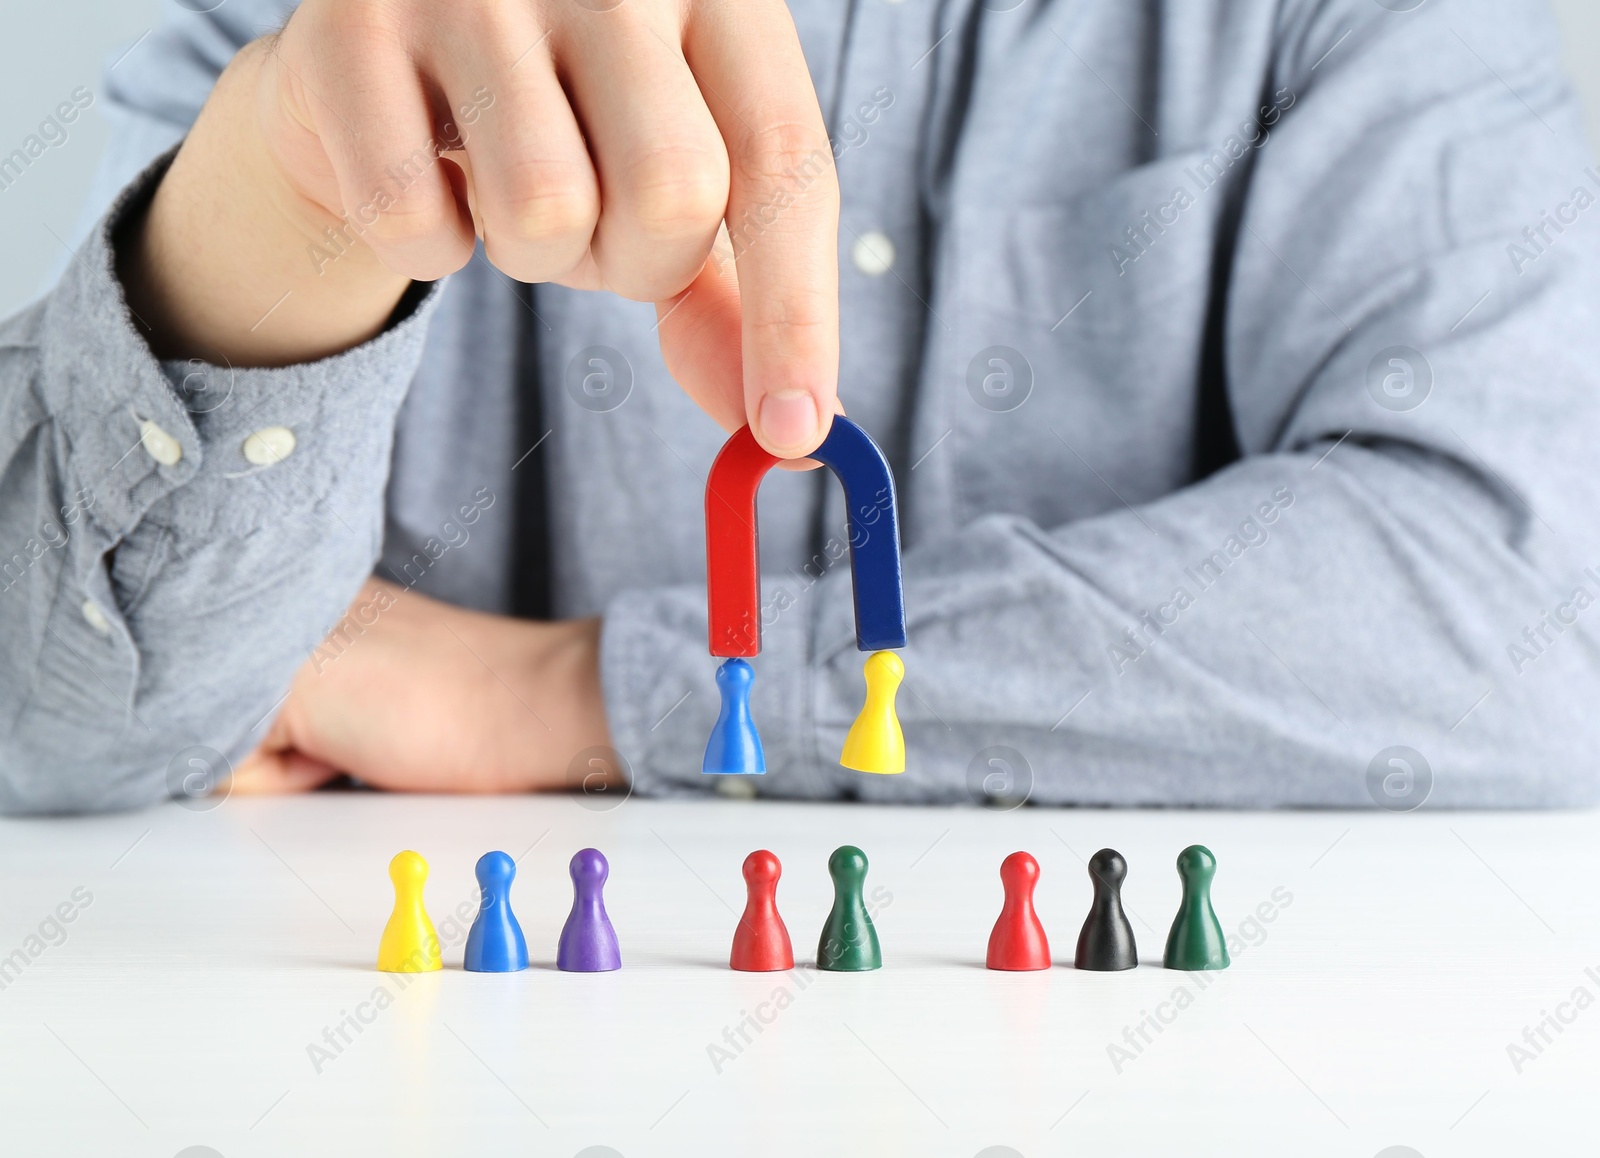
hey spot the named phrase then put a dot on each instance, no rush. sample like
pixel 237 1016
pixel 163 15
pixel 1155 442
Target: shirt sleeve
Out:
pixel 175 538
pixel 1404 562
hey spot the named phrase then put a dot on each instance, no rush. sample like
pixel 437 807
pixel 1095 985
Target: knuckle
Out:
pixel 419 242
pixel 405 224
pixel 359 22
pixel 627 280
pixel 675 192
pixel 786 152
pixel 548 208
pixel 794 326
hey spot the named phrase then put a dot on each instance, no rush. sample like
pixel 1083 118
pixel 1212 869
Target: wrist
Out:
pixel 233 262
pixel 569 672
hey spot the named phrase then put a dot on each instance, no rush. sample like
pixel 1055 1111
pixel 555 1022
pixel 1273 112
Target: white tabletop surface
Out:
pixel 216 947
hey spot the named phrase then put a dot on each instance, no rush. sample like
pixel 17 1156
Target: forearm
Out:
pixel 1190 652
pixel 1198 653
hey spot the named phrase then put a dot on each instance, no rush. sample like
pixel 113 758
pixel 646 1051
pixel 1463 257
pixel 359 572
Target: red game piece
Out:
pixel 1018 941
pixel 761 943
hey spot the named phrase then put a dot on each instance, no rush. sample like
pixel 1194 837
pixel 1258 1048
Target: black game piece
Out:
pixel 1106 942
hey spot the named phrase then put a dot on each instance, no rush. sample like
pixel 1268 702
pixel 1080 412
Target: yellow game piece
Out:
pixel 409 943
pixel 875 742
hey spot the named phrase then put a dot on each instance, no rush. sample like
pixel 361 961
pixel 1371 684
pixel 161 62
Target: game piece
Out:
pixel 849 943
pixel 588 942
pixel 1106 941
pixel 761 943
pixel 875 742
pixel 495 943
pixel 1017 941
pixel 1196 940
pixel 734 748
pixel 409 944
pixel 733 570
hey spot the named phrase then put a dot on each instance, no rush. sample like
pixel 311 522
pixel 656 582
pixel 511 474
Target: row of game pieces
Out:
pixel 849 942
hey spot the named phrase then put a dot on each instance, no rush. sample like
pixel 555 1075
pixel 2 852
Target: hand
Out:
pixel 415 695
pixel 595 143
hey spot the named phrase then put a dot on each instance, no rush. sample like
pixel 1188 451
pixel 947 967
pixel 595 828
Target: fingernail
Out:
pixel 788 420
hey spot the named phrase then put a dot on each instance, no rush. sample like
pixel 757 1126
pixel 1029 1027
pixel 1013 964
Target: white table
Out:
pixel 1374 1010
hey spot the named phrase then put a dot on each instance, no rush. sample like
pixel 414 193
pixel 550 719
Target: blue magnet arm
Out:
pixel 869 495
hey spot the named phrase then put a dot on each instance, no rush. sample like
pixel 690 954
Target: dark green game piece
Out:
pixel 1196 940
pixel 849 943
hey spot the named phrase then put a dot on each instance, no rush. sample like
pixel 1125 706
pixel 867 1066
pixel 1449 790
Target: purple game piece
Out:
pixel 588 942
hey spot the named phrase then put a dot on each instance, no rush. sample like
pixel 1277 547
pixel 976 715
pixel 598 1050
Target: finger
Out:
pixel 279 773
pixel 808 463
pixel 700 342
pixel 535 196
pixel 783 217
pixel 700 337
pixel 383 136
pixel 660 159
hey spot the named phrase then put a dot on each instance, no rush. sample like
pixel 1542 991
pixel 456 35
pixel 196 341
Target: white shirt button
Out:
pixel 95 617
pixel 873 254
pixel 269 446
pixel 158 444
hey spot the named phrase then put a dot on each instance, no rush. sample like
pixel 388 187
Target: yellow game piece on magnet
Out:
pixel 409 943
pixel 875 742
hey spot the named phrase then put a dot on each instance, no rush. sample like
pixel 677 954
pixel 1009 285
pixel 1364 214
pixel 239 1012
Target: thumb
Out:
pixel 700 332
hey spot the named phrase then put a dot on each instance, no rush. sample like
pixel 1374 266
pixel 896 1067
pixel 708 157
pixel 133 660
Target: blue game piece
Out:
pixel 734 748
pixel 875 577
pixel 495 944
pixel 588 942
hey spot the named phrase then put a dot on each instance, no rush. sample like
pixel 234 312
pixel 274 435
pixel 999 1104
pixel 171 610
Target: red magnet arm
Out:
pixel 733 567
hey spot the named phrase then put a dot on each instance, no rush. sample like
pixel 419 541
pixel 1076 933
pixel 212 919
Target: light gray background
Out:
pixel 58 46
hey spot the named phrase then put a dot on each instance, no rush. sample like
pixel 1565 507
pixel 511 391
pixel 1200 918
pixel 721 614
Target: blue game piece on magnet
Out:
pixel 495 944
pixel 869 493
pixel 735 747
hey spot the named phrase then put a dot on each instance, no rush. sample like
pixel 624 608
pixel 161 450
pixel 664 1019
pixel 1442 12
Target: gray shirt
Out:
pixel 1237 361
